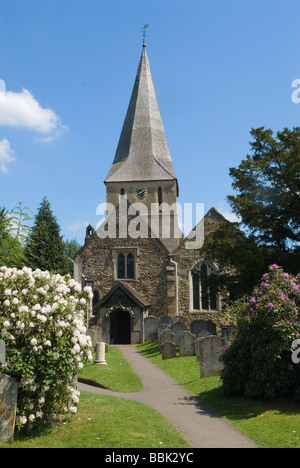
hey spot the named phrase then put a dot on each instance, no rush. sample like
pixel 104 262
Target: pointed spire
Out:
pixel 142 152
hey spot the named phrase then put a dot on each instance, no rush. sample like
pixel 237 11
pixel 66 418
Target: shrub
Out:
pixel 259 362
pixel 42 326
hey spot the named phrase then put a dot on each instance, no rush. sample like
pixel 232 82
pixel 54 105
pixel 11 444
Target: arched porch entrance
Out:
pixel 120 327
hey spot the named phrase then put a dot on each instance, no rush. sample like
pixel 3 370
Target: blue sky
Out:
pixel 220 67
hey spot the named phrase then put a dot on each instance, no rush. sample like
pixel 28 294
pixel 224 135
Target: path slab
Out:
pixel 199 424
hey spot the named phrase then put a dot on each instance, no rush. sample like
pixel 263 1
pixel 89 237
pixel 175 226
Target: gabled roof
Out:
pixel 129 291
pixel 206 226
pixel 142 152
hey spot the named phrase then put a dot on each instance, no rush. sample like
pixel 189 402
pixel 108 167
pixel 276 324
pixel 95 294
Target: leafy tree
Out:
pixel 45 248
pixel 13 234
pixel 259 363
pixel 4 223
pixel 71 249
pixel 268 203
pixel 240 259
pixel 268 185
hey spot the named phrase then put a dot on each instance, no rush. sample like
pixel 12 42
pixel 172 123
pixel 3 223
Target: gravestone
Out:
pixel 178 328
pixel 160 330
pixel 150 328
pixel 96 334
pixel 202 334
pixel 167 335
pixel 8 407
pixel 168 350
pixel 211 327
pixel 187 344
pixel 165 320
pixel 209 352
pixel 197 326
pixel 176 319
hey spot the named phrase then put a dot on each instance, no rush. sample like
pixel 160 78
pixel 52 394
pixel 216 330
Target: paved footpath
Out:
pixel 200 425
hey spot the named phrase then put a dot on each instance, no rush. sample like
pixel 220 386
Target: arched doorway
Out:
pixel 120 327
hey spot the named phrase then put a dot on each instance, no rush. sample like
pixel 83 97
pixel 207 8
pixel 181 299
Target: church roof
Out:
pixel 128 290
pixel 142 152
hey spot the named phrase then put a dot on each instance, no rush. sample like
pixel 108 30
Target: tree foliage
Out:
pixel 44 247
pixel 13 233
pixel 259 362
pixel 268 204
pixel 268 185
pixel 71 249
pixel 42 325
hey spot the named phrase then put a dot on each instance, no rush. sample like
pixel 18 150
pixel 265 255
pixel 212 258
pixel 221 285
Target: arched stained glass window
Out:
pixel 121 266
pixel 196 292
pixel 204 287
pixel 204 291
pixel 130 266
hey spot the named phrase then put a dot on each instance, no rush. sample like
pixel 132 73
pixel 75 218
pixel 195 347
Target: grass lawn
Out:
pixel 107 422
pixel 271 424
pixel 116 376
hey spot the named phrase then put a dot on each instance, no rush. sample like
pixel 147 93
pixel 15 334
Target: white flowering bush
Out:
pixel 42 325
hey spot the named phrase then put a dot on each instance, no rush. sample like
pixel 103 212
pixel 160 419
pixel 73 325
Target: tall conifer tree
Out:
pixel 45 248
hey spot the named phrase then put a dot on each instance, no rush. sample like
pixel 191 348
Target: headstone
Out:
pixel 211 327
pixel 176 319
pixel 197 326
pixel 100 354
pixel 178 328
pixel 187 344
pixel 168 350
pixel 166 335
pixel 165 320
pixel 8 407
pixel 202 334
pixel 150 328
pixel 160 330
pixel 96 334
pixel 208 352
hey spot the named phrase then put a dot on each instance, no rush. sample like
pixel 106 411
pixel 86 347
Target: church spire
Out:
pixel 142 153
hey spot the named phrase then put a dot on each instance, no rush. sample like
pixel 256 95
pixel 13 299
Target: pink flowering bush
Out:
pixel 259 362
pixel 42 326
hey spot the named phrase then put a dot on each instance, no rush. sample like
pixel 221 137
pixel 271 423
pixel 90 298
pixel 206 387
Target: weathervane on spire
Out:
pixel 144 33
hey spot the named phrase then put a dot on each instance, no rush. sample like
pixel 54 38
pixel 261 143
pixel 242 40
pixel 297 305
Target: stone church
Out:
pixel 138 268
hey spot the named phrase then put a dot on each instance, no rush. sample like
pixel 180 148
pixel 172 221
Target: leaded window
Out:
pixel 125 262
pixel 204 290
pixel 121 266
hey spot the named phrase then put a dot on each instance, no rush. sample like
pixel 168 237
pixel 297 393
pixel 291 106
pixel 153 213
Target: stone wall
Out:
pixel 155 275
pixel 95 260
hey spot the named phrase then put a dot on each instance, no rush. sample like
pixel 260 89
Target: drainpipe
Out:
pixel 171 256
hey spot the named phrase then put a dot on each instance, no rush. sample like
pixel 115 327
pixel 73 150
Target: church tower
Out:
pixel 142 169
pixel 139 277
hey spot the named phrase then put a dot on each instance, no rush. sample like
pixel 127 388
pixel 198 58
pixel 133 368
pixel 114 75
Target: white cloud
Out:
pixel 77 226
pixel 21 110
pixel 6 155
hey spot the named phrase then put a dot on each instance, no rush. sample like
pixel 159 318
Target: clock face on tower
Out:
pixel 140 193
